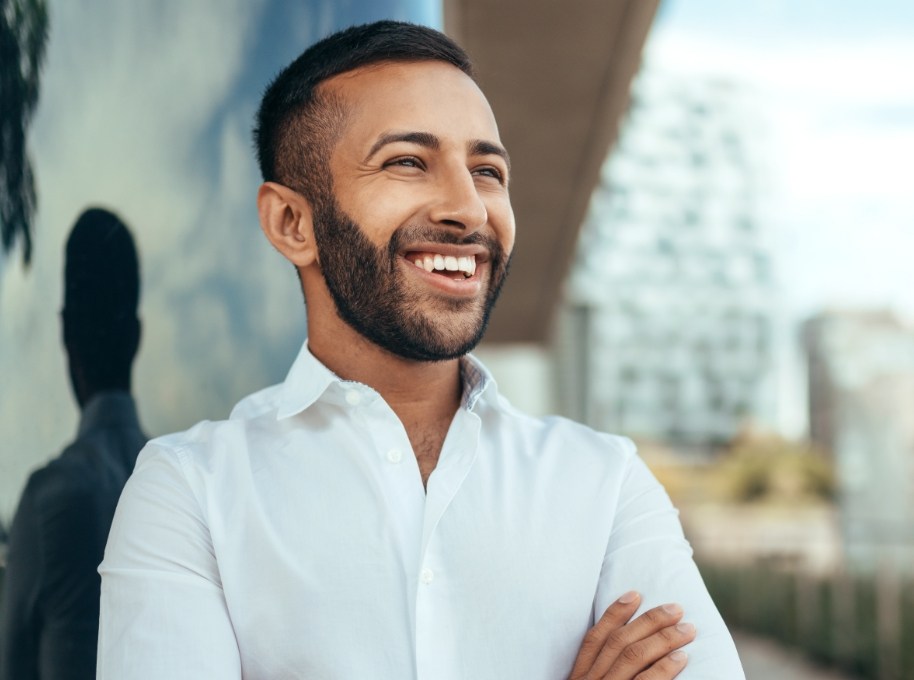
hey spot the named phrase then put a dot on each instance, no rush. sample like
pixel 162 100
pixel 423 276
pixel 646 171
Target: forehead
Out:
pixel 428 96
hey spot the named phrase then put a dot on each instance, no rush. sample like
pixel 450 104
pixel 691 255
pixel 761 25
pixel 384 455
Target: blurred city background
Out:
pixel 715 258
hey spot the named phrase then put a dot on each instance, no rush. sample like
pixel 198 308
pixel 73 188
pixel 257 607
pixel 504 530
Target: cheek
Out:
pixel 501 217
pixel 510 236
pixel 380 213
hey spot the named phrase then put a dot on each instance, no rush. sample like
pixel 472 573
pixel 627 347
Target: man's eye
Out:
pixel 489 171
pixel 405 162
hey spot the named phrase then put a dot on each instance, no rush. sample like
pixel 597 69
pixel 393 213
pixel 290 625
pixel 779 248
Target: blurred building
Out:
pixel 861 409
pixel 668 331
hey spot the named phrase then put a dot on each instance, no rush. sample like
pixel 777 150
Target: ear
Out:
pixel 286 219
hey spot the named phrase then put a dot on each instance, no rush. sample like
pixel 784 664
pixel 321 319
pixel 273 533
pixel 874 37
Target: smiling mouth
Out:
pixel 457 268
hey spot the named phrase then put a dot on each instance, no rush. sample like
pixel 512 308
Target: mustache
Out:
pixel 412 234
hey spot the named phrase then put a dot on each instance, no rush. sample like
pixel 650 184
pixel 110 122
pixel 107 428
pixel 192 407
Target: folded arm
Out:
pixel 648 553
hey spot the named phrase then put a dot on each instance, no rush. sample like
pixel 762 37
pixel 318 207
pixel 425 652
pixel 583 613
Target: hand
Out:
pixel 641 649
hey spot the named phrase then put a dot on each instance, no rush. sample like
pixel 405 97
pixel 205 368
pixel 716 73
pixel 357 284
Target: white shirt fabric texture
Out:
pixel 296 540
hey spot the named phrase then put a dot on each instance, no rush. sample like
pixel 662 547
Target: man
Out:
pixel 51 593
pixel 384 513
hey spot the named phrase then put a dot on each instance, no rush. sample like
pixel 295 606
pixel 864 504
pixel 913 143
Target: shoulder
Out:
pixel 191 448
pixel 170 476
pixel 209 438
pixel 556 448
pixel 557 432
pixel 212 453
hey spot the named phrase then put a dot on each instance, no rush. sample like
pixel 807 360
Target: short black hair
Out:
pixel 297 123
pixel 101 294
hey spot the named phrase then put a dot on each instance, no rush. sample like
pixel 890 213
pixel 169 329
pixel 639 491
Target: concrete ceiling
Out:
pixel 557 75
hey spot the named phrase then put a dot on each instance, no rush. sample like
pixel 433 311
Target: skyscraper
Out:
pixel 669 303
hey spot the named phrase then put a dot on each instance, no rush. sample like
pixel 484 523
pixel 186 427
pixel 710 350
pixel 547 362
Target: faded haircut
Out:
pixel 298 122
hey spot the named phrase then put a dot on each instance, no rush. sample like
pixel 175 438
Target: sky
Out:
pixel 834 83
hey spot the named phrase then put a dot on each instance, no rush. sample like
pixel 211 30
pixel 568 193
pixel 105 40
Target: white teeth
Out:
pixel 430 263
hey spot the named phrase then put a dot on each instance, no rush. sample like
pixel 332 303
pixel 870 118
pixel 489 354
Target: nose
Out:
pixel 458 203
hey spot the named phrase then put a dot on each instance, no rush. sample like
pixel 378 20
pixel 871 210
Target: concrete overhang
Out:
pixel 557 75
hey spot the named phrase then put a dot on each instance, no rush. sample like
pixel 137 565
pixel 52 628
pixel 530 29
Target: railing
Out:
pixel 863 624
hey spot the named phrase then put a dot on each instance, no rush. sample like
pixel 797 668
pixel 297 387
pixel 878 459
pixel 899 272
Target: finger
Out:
pixel 641 655
pixel 666 668
pixel 615 616
pixel 649 623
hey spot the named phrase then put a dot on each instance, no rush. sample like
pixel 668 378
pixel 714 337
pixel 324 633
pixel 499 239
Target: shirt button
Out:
pixel 353 398
pixel 427 576
pixel 395 455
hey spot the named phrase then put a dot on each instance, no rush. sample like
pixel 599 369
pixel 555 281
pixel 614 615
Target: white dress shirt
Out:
pixel 295 540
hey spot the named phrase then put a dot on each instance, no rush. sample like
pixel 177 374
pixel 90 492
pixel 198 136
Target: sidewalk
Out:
pixel 767 660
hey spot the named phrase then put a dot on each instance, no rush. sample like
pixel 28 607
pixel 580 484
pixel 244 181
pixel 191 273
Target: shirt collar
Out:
pixel 309 380
pixel 306 381
pixel 478 383
pixel 111 408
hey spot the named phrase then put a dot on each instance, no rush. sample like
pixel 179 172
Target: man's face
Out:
pixel 415 239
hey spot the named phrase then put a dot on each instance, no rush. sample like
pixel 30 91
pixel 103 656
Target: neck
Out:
pixel 417 391
pixel 424 395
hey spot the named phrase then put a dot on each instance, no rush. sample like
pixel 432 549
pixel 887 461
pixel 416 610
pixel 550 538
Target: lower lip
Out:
pixel 467 287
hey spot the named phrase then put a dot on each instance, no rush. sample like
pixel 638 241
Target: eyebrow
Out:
pixel 476 147
pixel 480 147
pixel 426 139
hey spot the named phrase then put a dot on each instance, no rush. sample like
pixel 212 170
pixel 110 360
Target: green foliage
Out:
pixel 865 660
pixel 23 37
pixel 763 468
pixel 818 636
pixel 833 618
pixel 907 627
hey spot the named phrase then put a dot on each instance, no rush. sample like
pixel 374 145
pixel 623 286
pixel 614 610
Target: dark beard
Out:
pixel 370 295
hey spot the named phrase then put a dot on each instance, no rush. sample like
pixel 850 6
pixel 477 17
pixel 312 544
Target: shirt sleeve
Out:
pixel 19 616
pixel 163 610
pixel 648 552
